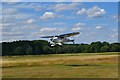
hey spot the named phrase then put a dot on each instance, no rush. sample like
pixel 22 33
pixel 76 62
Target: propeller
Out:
pixel 74 42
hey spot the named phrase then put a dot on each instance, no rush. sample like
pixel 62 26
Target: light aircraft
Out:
pixel 61 39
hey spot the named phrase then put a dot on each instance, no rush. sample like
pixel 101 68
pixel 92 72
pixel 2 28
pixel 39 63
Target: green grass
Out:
pixel 75 65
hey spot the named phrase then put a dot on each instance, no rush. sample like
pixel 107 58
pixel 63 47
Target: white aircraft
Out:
pixel 61 39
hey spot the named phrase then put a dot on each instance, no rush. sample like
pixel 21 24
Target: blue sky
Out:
pixel 60 0
pixel 96 21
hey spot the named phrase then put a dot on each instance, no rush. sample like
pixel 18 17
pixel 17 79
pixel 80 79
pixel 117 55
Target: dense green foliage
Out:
pixel 37 47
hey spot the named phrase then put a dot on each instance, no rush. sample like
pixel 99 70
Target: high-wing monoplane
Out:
pixel 61 39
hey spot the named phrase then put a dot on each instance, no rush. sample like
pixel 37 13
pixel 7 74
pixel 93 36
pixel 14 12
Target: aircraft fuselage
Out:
pixel 61 40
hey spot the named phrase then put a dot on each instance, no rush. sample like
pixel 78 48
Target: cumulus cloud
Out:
pixel 57 23
pixel 30 20
pixel 15 28
pixel 6 24
pixel 115 30
pixel 26 5
pixel 113 16
pixel 94 12
pixel 11 0
pixel 76 28
pixel 115 35
pixel 82 11
pixel 11 33
pixel 50 29
pixel 83 0
pixel 50 15
pixel 9 10
pixel 80 24
pixel 65 7
pixel 99 27
pixel 8 19
pixel 14 23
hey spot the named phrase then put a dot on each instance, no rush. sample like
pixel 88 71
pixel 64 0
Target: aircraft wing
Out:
pixel 47 36
pixel 68 34
pixel 62 35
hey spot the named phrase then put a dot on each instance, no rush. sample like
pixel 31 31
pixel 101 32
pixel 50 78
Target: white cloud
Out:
pixel 13 17
pixel 57 23
pixel 64 7
pixel 30 20
pixel 7 33
pixel 80 24
pixel 12 38
pixel 9 11
pixel 102 24
pixel 76 28
pixel 8 19
pixel 24 27
pixel 82 11
pixel 50 29
pixel 115 30
pixel 6 24
pixel 26 5
pixel 14 23
pixel 11 0
pixel 113 16
pixel 60 0
pixel 83 0
pixel 115 35
pixel 99 27
pixel 50 15
pixel 94 12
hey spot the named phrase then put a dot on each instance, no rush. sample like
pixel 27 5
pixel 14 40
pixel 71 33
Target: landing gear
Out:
pixel 73 42
pixel 59 44
pixel 52 45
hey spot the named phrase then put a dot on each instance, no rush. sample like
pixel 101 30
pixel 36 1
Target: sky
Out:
pixel 60 0
pixel 96 21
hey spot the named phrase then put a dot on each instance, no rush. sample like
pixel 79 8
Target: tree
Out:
pixel 105 48
pixel 25 47
pixel 18 51
pixel 86 49
pixel 95 46
pixel 47 50
pixel 112 49
pixel 29 50
pixel 115 47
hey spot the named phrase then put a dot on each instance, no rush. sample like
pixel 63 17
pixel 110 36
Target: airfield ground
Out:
pixel 75 65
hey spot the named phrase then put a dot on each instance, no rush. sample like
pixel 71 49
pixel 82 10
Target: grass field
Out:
pixel 75 65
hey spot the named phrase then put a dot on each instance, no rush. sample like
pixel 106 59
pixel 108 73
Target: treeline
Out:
pixel 38 47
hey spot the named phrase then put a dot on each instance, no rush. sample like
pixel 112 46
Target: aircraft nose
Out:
pixel 51 39
pixel 72 40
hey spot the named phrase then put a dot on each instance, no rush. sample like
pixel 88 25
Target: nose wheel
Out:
pixel 51 45
pixel 54 45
